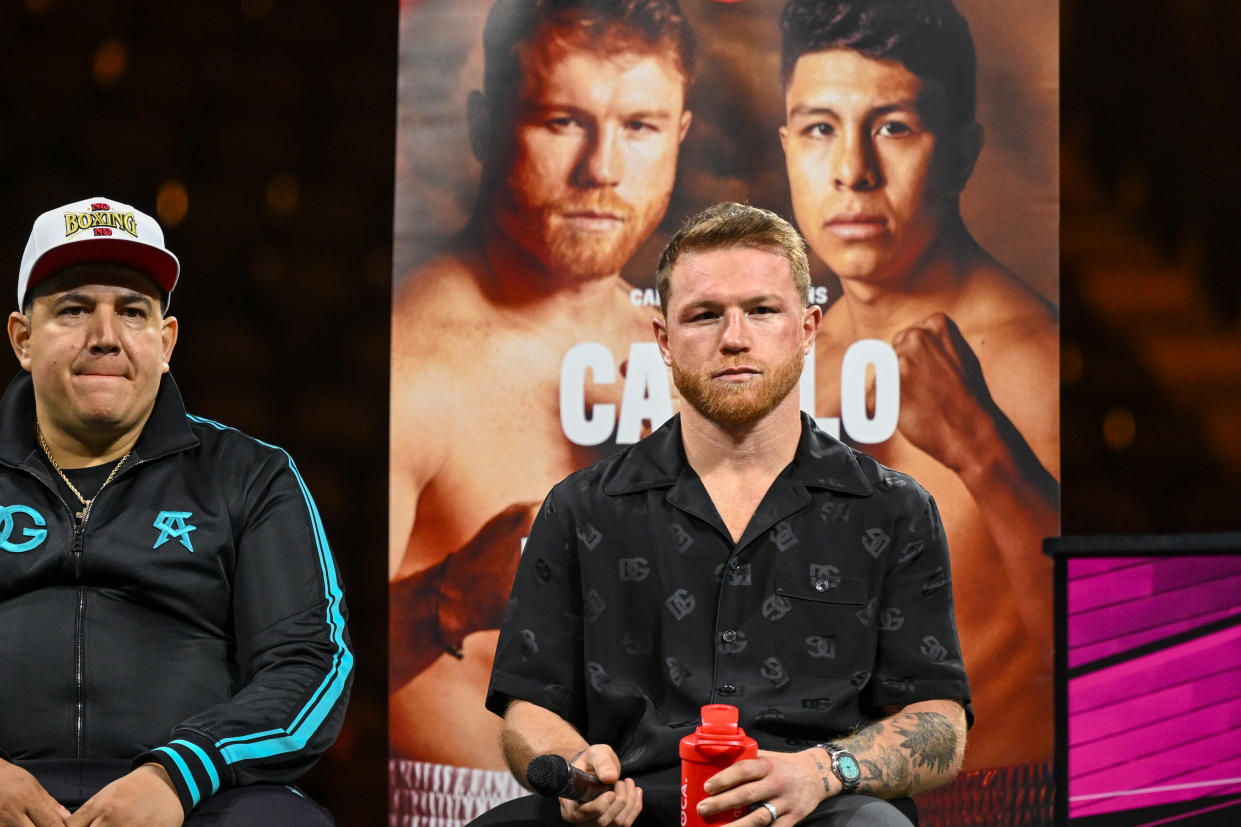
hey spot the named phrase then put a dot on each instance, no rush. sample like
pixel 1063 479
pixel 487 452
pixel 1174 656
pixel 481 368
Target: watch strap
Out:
pixel 848 782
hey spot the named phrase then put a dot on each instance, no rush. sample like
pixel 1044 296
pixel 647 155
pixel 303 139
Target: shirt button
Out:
pixel 734 564
pixel 729 636
pixel 822 585
pixel 727 689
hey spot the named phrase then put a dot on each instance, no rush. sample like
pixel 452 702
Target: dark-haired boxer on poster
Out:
pixel 880 139
pixel 577 127
pixel 737 555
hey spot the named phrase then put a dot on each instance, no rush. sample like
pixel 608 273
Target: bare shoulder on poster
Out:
pixel 647 396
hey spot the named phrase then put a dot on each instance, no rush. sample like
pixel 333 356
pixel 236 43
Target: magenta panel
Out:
pixel 1154 694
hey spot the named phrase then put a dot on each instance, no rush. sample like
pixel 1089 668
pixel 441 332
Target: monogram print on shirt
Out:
pixel 681 603
pixel 769 716
pixel 776 607
pixel 634 569
pixel 898 687
pixel 594 606
pixel 818 646
pixel 890 620
pixel 867 615
pixel 529 644
pixel 933 649
pixel 542 572
pixel 911 551
pixel 860 678
pixel 835 512
pixel 782 535
pixel 558 696
pixel 821 704
pixel 680 538
pixel 589 536
pixel 875 541
pixel 773 671
pixel 597 675
pixel 677 673
pixel 935 582
pixel 738 576
pixel 824 577
pixel 637 643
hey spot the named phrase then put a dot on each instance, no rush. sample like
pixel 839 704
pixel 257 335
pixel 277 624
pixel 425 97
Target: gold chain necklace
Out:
pixel 81 515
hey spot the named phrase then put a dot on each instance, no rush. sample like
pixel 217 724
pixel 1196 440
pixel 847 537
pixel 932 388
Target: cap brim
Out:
pixel 159 265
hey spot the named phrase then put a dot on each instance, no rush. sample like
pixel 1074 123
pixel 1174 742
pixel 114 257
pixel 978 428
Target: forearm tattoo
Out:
pixel 932 742
pixel 928 741
pixel 827 787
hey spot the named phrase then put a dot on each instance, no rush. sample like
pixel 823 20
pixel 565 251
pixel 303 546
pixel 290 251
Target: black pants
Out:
pixel 661 807
pixel 255 805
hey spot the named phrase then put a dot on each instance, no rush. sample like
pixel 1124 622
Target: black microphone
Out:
pixel 552 776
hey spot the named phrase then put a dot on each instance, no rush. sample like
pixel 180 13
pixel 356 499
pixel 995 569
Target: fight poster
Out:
pixel 521 353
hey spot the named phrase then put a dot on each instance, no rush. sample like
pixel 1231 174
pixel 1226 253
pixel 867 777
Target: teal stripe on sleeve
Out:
pixel 195 797
pixel 202 756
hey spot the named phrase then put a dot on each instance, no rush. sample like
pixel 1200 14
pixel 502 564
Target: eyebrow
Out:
pixel 128 297
pixel 803 110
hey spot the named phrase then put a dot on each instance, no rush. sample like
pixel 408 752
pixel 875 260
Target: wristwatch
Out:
pixel 844 765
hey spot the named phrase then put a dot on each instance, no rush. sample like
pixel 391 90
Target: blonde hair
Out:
pixel 735 225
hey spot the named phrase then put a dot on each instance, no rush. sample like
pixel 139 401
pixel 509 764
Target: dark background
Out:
pixel 261 134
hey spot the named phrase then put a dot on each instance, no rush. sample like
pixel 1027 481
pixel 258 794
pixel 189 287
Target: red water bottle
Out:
pixel 716 744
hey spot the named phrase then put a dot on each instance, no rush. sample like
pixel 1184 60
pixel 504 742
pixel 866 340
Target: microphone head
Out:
pixel 549 775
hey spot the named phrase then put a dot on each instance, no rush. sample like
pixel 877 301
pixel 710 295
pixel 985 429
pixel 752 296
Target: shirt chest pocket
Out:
pixel 831 621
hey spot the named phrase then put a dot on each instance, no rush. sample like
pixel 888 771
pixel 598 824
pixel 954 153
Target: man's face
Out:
pixel 860 153
pixel 96 345
pixel 593 155
pixel 736 334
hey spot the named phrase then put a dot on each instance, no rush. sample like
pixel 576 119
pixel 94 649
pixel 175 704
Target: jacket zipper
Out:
pixel 79 623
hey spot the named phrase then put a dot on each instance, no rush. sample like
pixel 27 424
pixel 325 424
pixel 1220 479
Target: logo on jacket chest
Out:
pixel 16 535
pixel 173 525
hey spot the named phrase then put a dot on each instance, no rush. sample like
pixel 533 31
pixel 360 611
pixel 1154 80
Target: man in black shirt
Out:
pixel 737 555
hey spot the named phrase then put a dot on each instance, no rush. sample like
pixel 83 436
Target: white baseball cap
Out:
pixel 96 230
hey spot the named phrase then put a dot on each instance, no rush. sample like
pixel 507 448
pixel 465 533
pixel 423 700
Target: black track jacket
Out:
pixel 194 618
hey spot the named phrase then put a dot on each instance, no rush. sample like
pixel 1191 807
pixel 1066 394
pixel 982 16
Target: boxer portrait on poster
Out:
pixel 546 152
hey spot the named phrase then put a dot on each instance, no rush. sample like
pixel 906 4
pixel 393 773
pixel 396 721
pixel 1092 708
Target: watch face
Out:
pixel 848 767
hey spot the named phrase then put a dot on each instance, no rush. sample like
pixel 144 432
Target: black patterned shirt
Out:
pixel 633 607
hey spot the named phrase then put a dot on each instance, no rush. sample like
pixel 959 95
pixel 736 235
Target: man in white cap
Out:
pixel 174 647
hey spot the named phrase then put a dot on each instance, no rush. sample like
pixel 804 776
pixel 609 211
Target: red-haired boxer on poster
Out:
pixel 880 139
pixel 577 127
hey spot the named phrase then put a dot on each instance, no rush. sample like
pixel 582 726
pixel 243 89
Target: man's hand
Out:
pixel 24 802
pixel 477 577
pixel 619 806
pixel 431 611
pixel 945 404
pixel 144 797
pixel 792 782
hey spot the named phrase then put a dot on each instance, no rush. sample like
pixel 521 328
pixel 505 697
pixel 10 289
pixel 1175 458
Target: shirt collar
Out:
pixel 659 462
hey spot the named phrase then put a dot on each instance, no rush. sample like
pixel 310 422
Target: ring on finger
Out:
pixel 771 808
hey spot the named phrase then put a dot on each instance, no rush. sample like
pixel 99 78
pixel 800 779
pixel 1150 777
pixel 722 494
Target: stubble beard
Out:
pixel 583 255
pixel 742 403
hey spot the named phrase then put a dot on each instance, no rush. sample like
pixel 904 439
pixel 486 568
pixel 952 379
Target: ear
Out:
pixel 660 324
pixel 19 338
pixel 811 317
pixel 479 123
pixel 687 117
pixel 168 333
pixel 961 157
